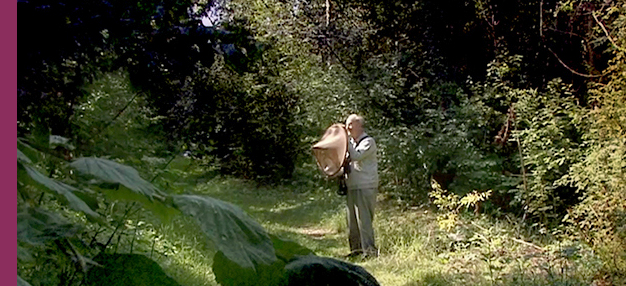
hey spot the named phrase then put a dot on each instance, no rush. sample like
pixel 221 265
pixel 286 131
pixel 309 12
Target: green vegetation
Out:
pixel 414 249
pixel 147 138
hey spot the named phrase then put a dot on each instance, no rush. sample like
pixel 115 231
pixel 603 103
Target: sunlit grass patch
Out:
pixel 188 256
pixel 179 247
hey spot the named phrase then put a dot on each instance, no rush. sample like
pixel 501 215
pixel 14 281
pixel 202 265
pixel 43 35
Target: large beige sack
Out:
pixel 330 151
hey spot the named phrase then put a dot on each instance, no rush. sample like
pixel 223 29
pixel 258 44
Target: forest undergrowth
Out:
pixel 414 249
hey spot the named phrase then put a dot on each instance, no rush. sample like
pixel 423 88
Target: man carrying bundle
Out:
pixel 362 183
pixel 348 154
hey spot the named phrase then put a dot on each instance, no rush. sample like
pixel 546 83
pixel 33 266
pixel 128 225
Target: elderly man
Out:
pixel 362 183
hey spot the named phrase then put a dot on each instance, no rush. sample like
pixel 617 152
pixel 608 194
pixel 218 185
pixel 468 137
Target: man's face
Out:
pixel 354 128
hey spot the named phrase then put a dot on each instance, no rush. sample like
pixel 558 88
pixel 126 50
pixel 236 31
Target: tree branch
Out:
pixel 117 115
pixel 606 32
pixel 572 70
pixel 528 244
pixel 327 12
pixel 521 158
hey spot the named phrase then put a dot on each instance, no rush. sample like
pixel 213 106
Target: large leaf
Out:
pixel 228 273
pixel 314 270
pixel 127 270
pixel 22 157
pixel 241 239
pixel 30 152
pixel 66 191
pixel 56 140
pixel 21 282
pixel 36 226
pixel 89 197
pixel 164 211
pixel 114 172
pixel 286 250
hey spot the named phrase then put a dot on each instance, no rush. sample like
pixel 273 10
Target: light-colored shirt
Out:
pixel 364 163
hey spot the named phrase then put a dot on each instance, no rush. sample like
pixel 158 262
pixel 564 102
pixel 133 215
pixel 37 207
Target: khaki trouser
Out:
pixel 361 203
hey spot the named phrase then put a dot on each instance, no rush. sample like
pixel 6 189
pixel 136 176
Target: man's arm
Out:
pixel 365 149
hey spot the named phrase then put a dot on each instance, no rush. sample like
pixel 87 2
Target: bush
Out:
pixel 452 145
pixel 550 136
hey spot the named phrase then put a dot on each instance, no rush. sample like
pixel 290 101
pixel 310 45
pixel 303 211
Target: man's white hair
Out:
pixel 357 118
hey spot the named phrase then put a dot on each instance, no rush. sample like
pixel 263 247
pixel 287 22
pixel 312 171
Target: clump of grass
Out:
pixel 178 246
pixel 185 253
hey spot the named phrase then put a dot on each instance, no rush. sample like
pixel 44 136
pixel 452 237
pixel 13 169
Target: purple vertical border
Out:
pixel 8 78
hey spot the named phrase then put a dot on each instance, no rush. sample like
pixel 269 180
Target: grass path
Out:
pixel 414 251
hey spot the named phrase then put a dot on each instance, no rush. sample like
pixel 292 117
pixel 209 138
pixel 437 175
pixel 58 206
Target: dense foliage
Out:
pixel 524 100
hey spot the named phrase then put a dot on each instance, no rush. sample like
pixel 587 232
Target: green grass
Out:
pixel 413 250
